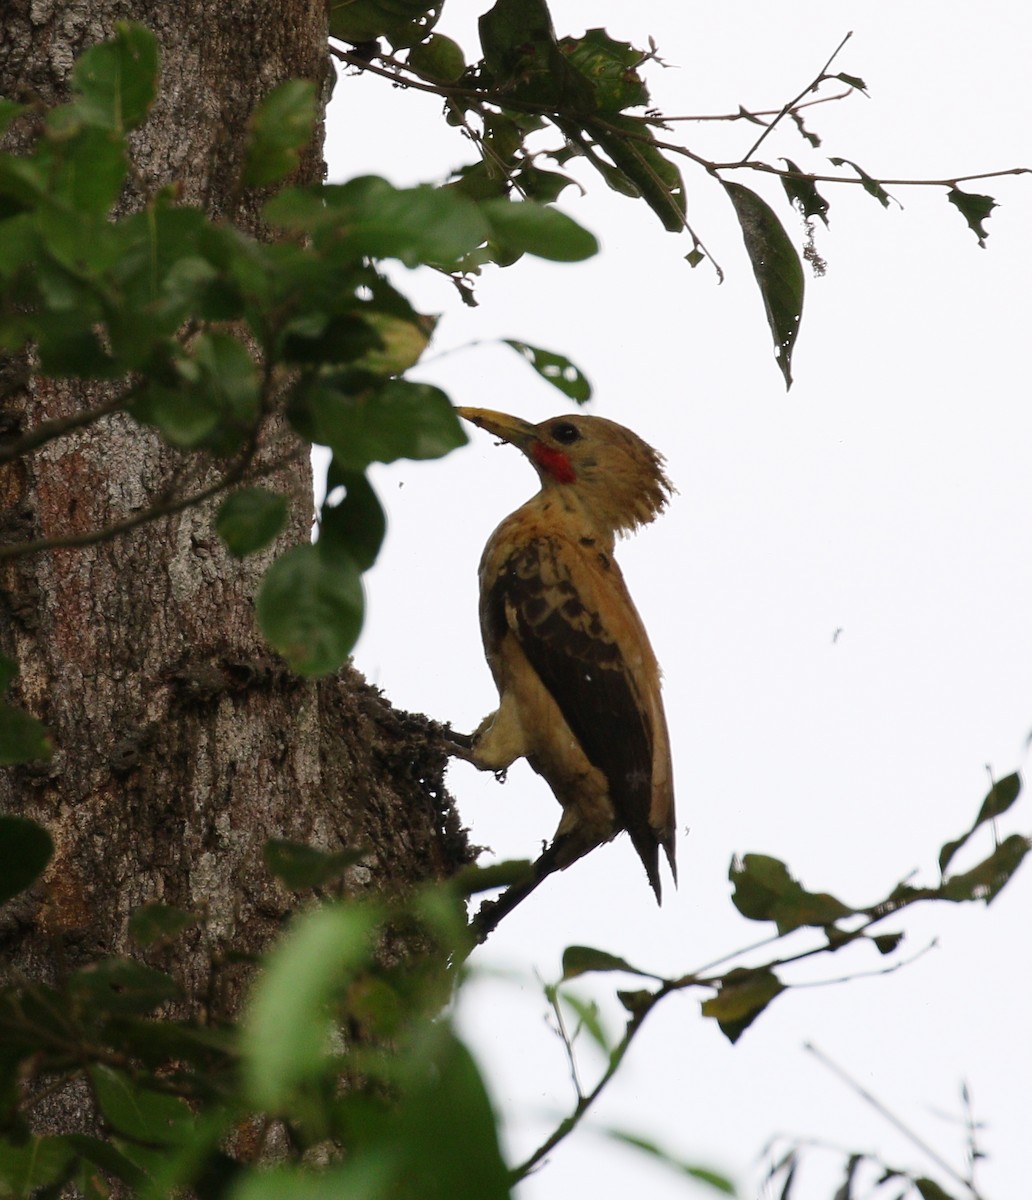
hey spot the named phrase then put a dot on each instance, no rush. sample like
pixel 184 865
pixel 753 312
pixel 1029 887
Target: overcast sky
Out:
pixel 886 497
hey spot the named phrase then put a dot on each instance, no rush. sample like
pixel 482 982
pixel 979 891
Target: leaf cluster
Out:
pixel 748 982
pixel 344 1064
pixel 591 91
pixel 200 331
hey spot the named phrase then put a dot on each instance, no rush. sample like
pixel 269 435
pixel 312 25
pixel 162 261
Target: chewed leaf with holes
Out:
pixel 777 268
pixel 556 369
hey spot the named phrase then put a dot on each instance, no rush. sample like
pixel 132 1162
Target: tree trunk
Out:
pixel 181 743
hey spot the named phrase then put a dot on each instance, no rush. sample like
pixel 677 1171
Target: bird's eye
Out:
pixel 565 432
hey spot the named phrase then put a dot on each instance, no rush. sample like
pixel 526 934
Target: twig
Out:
pixel 811 86
pixel 743 114
pixel 47 431
pixel 553 997
pixel 889 1116
pixel 785 174
pixel 163 508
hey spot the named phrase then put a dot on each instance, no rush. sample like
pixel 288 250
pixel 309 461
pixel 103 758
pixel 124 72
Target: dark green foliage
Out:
pixel 22 737
pixel 975 209
pixel 742 996
pixel 280 127
pixel 803 193
pixel 777 268
pixel 199 325
pixel 25 850
pixel 765 891
pixel 356 1056
pixel 250 519
pixel 556 368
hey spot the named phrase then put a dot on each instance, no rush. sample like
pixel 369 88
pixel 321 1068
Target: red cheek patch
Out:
pixel 554 462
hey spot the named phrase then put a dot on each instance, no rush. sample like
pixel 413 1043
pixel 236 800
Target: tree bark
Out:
pixel 181 743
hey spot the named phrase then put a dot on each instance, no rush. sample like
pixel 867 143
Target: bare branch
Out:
pixel 891 1117
pixel 48 431
pixel 166 507
pixel 810 87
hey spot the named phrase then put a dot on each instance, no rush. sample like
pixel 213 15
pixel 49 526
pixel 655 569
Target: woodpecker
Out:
pixel 578 683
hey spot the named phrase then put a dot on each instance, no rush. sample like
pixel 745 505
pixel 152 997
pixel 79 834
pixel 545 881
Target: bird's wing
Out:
pixel 569 609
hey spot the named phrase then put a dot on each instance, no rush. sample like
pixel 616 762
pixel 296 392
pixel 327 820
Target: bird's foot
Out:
pixel 458 745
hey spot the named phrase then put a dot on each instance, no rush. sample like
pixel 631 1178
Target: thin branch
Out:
pixel 877 973
pixel 810 87
pixel 166 507
pixel 47 431
pixel 743 114
pixel 889 1116
pixel 567 1126
pixel 768 169
pixel 553 997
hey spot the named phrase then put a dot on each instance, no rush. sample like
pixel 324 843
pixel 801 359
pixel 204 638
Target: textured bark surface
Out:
pixel 182 744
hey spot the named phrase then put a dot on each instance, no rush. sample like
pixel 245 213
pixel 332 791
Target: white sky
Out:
pixel 887 495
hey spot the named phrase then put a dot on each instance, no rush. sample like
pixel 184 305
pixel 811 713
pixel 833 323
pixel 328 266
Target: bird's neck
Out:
pixel 566 510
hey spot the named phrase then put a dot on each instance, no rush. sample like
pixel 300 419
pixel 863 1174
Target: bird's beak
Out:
pixel 510 429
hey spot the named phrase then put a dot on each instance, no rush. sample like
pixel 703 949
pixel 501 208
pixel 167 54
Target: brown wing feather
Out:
pixel 565 640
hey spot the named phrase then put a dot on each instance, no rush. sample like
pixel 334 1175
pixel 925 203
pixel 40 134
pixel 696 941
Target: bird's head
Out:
pixel 617 478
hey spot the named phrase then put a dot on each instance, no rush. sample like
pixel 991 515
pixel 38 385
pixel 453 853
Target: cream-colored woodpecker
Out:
pixel 578 683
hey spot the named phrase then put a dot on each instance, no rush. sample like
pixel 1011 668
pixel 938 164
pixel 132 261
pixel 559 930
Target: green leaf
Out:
pixel 578 960
pixel 928 1189
pixel 25 850
pixel 704 1175
pixel 104 1155
pixel 975 209
pixel 765 891
pixel 744 993
pixel 356 525
pixel 22 738
pixel 310 608
pixel 641 167
pixel 637 1002
pixel 438 57
pixel 116 80
pixel 522 58
pixel 450 1158
pixel 396 419
pixel 400 342
pixel 402 22
pixel 214 402
pixel 299 866
pixel 611 68
pixel 988 879
pixel 871 186
pixel 999 799
pixel 523 227
pixel 139 1113
pixel 887 942
pixel 37 1163
pixel 88 177
pixel 803 193
pixel 854 81
pixel 151 924
pixel 280 128
pixel 9 109
pixel 543 186
pixel 473 879
pixel 121 985
pixel 250 518
pixel 287 1025
pixel 367 217
pixel 777 268
pixel 556 369
pixel 589 1019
